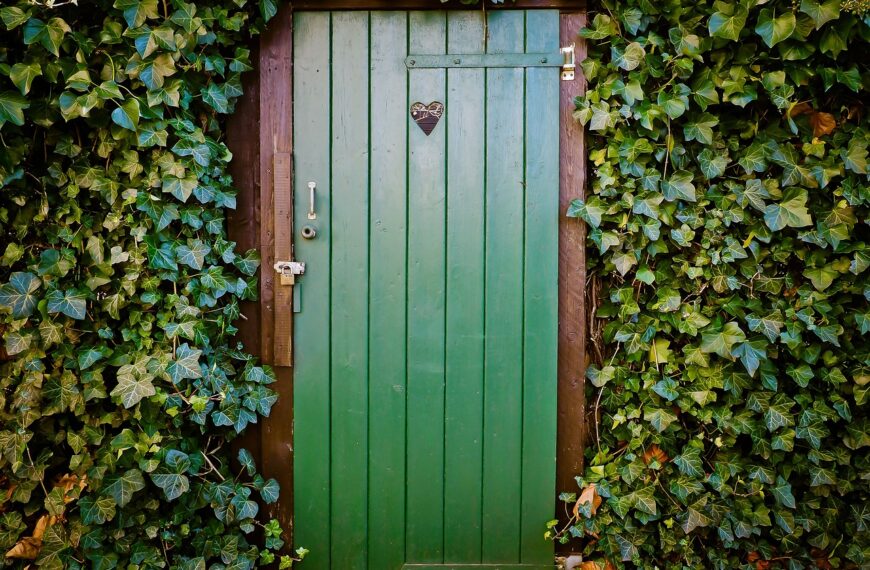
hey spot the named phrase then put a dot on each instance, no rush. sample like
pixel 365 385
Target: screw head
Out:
pixel 457 61
pixel 543 60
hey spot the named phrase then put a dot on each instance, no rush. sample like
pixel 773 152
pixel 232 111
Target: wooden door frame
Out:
pixel 260 135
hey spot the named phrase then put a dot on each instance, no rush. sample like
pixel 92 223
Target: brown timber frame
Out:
pixel 259 134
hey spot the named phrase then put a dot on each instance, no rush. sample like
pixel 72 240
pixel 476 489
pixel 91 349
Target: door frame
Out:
pixel 260 136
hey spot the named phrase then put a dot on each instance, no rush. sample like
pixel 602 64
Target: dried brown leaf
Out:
pixel 654 452
pixel 588 496
pixel 823 124
pixel 26 549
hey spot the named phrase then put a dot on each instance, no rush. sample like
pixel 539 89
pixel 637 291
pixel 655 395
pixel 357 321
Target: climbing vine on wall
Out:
pixel 120 377
pixel 728 224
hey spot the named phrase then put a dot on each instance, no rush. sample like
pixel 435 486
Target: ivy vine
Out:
pixel 121 381
pixel 728 230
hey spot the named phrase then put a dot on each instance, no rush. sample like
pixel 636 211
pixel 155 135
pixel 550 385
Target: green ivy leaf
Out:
pixel 728 26
pixel 122 487
pixel 23 74
pixel 701 129
pixel 137 11
pixel 791 212
pixel 628 58
pixel 782 493
pixel 679 187
pixel 127 115
pixel 72 303
pixel 96 510
pixel 185 365
pixel 13 16
pixel 721 341
pixel 774 29
pixel 49 35
pixel 17 295
pixel 133 385
pixel 12 106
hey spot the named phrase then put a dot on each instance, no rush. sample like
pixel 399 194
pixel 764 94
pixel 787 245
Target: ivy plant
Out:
pixel 121 381
pixel 728 227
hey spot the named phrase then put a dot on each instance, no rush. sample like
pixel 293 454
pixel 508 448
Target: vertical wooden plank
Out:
pixel 426 226
pixel 465 261
pixel 311 363
pixel 276 119
pixel 504 294
pixel 541 289
pixel 349 287
pixel 243 225
pixel 387 237
pixel 572 272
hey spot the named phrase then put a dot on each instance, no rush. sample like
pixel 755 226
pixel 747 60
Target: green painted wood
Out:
pixel 387 237
pixel 425 348
pixel 502 447
pixel 479 566
pixel 349 288
pixel 311 384
pixel 426 295
pixel 540 327
pixel 466 58
pixel 463 413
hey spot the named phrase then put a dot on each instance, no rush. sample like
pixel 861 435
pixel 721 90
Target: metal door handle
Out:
pixel 311 214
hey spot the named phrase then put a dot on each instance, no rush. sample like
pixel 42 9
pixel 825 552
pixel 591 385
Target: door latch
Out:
pixel 288 270
pixel 568 65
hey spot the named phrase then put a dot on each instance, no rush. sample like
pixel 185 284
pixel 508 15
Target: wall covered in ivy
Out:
pixel 120 378
pixel 728 231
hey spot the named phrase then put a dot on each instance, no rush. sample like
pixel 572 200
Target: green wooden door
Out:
pixel 425 332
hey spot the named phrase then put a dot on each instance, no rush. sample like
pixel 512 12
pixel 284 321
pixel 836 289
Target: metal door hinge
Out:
pixel 288 270
pixel 568 65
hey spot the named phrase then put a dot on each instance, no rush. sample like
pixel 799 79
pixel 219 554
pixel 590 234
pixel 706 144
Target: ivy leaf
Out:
pixel 170 475
pixel 721 341
pixel 628 58
pixel 727 26
pixel 185 365
pixel 16 343
pixel 791 212
pixel 769 326
pixel 782 493
pixel 679 187
pixel 695 517
pixel 12 106
pixel 193 254
pixel 701 129
pixel 821 277
pixel 689 462
pixel 137 11
pixel 49 35
pixel 214 96
pixel 133 385
pixel 96 511
pixel 23 74
pixel 13 16
pixel 270 491
pixel 712 165
pixel 751 354
pixel 590 211
pixel 774 29
pixel 17 295
pixel 821 13
pixel 71 303
pixel 127 115
pixel 123 487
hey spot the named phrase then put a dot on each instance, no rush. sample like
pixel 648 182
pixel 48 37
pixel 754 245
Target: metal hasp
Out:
pixel 311 213
pixel 288 270
pixel 568 65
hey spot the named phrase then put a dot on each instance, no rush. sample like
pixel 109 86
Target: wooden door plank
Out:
pixel 572 273
pixel 426 227
pixel 387 235
pixel 349 287
pixel 541 290
pixel 311 385
pixel 504 295
pixel 465 296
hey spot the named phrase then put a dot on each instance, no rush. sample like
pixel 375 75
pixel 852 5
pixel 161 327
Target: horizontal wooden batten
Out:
pixel 564 5
pixel 481 60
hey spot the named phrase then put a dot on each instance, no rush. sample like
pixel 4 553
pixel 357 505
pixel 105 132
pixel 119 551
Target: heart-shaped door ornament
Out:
pixel 427 116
